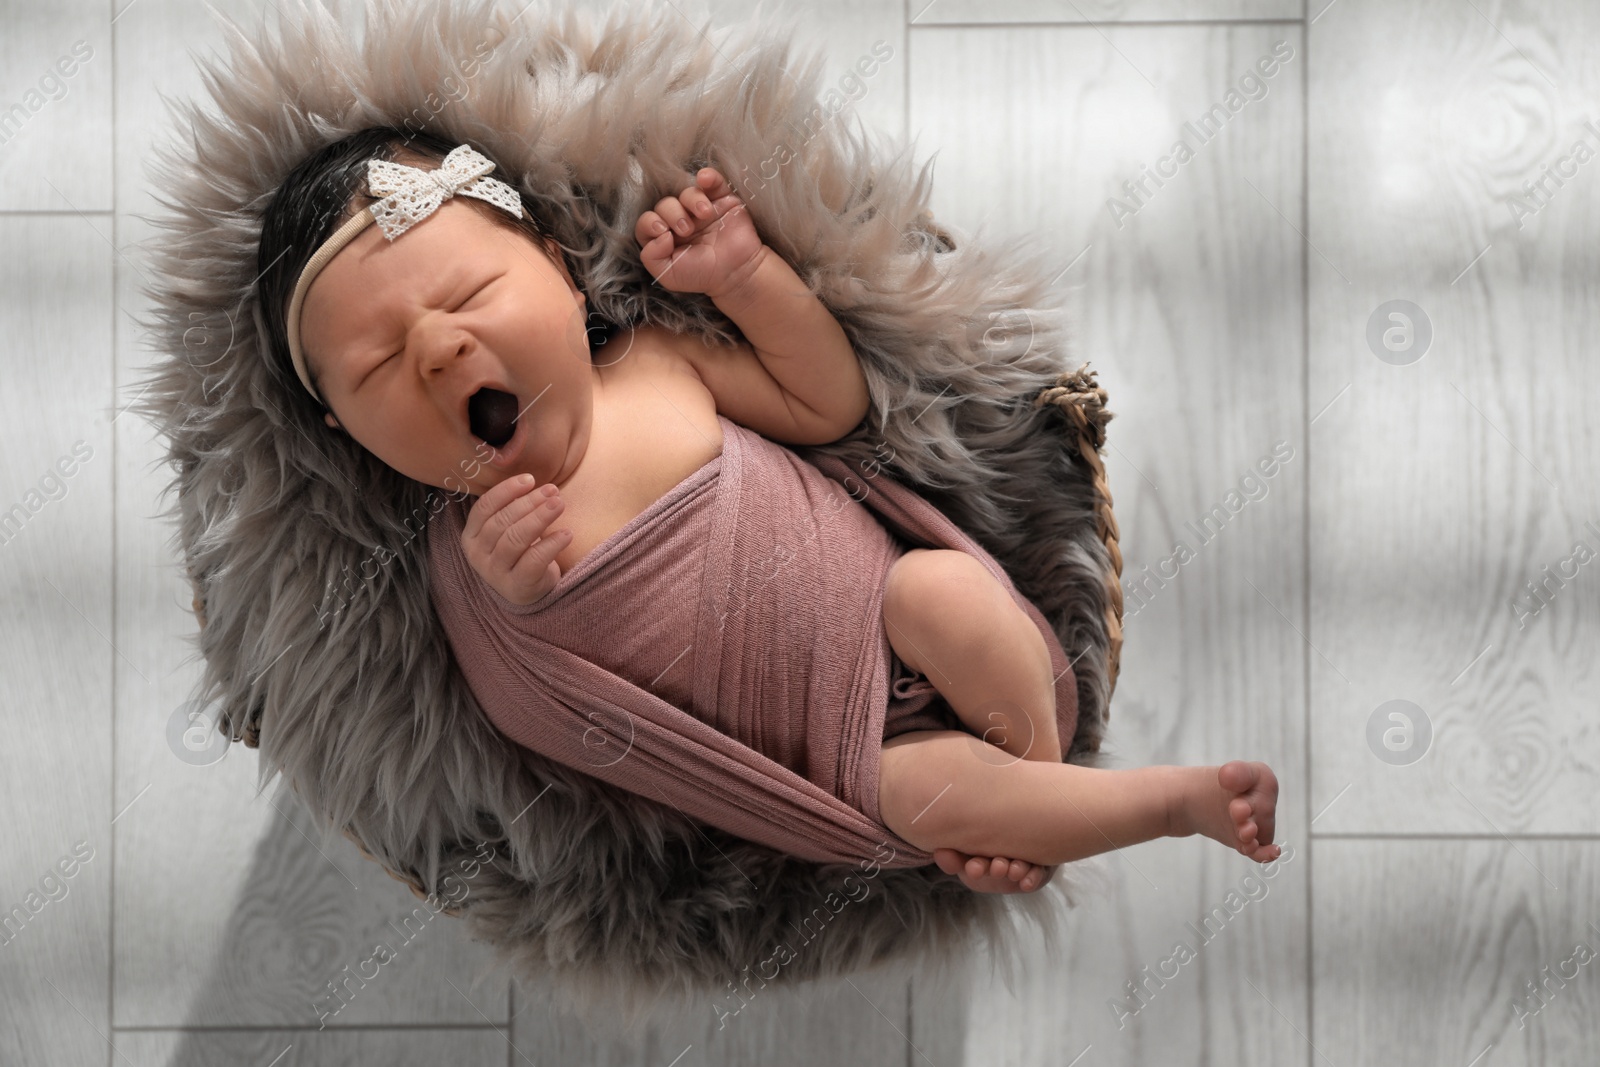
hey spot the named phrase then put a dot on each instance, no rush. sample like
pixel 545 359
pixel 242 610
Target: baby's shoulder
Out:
pixel 650 343
pixel 657 351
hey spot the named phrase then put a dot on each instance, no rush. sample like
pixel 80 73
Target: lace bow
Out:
pixel 411 195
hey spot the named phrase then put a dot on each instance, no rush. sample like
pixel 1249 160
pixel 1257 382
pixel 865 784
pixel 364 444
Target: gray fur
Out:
pixel 618 900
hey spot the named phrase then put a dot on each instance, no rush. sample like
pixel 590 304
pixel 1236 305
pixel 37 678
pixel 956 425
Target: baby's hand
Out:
pixel 506 539
pixel 700 241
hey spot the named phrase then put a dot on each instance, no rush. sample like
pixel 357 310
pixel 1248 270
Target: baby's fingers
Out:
pixel 537 572
pixel 710 183
pixel 649 227
pixel 698 198
pixel 674 214
pixel 527 530
pixel 491 504
pixel 504 522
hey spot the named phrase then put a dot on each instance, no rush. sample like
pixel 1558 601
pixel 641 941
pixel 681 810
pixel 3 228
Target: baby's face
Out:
pixel 399 335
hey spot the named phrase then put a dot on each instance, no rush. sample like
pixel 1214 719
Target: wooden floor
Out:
pixel 1429 534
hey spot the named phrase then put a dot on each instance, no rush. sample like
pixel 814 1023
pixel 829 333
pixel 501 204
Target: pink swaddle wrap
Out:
pixel 724 652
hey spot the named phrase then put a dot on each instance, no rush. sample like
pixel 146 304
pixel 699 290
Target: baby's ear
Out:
pixel 327 417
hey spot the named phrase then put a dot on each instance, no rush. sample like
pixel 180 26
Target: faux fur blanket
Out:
pixel 319 638
pixel 724 652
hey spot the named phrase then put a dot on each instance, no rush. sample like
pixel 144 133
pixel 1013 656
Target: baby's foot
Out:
pixel 993 874
pixel 1236 806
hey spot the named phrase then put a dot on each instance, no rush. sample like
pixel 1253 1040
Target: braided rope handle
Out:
pixel 1083 401
pixel 413 884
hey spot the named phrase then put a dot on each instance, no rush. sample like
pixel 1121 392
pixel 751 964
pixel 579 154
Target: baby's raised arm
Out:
pixel 798 380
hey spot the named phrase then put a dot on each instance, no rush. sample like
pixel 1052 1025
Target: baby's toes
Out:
pixel 1241 811
pixel 1237 776
pixel 1262 853
pixel 1264 826
pixel 1018 870
pixel 1267 819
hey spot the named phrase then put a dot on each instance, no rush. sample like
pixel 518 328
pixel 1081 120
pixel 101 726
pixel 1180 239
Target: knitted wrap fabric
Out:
pixel 620 901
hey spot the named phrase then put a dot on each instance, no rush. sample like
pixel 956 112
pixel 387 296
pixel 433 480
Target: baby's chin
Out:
pixel 452 484
pixel 459 486
pixel 451 474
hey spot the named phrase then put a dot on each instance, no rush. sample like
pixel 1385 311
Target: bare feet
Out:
pixel 993 874
pixel 1234 804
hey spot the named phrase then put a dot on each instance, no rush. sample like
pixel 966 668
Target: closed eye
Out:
pixel 471 297
pixel 373 369
pixel 474 296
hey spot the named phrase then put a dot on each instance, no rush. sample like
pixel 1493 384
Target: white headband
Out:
pixel 409 196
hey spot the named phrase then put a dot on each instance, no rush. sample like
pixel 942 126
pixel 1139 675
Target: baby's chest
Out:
pixel 659 426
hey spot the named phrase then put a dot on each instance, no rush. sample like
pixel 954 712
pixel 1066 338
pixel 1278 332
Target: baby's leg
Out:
pixel 937 789
pixel 947 616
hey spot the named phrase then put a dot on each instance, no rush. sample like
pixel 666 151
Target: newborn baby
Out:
pixel 440 344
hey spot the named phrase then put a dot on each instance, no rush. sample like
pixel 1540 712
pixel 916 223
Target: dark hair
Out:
pixel 321 194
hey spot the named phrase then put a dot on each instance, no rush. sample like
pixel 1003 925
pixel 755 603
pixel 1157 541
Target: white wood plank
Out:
pixel 1191 311
pixel 861 1019
pixel 299 1048
pixel 55 106
pixel 864 44
pixel 1448 484
pixel 1424 951
pixel 227 912
pixel 934 12
pixel 939 1013
pixel 281 931
pixel 56 659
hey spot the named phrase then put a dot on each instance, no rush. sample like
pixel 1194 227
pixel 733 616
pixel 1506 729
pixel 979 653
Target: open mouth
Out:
pixel 492 415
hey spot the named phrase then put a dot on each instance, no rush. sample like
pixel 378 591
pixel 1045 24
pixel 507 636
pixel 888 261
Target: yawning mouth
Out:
pixel 492 415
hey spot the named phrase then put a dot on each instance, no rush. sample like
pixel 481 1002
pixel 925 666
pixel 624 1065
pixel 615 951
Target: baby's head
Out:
pixel 425 348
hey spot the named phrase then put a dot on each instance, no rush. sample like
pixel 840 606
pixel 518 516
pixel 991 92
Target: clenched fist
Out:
pixel 507 538
pixel 700 241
